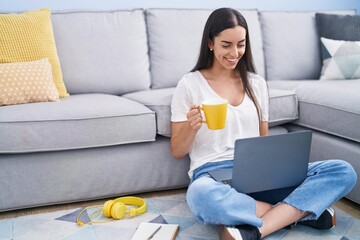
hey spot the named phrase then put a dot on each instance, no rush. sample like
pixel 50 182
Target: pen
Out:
pixel 153 234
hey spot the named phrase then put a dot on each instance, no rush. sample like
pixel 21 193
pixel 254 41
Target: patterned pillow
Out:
pixel 341 59
pixel 29 36
pixel 26 82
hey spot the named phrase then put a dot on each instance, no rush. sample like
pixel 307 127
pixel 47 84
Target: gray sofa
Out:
pixel 111 136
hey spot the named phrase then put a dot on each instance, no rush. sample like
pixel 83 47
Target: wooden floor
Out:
pixel 344 204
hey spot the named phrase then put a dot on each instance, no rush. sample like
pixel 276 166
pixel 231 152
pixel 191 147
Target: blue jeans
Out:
pixel 215 203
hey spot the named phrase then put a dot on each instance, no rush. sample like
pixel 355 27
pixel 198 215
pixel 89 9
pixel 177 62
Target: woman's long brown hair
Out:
pixel 218 21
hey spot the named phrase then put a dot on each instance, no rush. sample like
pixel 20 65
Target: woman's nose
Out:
pixel 234 52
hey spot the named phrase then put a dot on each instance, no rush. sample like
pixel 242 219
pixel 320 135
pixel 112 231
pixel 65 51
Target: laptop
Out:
pixel 268 168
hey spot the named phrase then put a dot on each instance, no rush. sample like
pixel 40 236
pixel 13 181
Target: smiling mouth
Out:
pixel 231 61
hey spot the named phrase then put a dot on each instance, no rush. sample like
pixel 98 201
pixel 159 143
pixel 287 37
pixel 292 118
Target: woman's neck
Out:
pixel 220 74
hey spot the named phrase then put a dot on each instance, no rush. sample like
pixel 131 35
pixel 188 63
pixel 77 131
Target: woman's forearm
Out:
pixel 182 139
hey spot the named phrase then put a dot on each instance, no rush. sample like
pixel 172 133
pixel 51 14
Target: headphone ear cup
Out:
pixel 118 210
pixel 107 208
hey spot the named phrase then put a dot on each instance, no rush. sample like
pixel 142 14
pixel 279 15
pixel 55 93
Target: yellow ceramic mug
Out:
pixel 215 112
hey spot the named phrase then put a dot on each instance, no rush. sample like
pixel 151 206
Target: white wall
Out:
pixel 299 5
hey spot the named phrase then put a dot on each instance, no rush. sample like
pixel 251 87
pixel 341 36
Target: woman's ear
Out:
pixel 210 44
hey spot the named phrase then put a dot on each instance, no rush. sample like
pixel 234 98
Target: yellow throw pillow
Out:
pixel 26 82
pixel 29 36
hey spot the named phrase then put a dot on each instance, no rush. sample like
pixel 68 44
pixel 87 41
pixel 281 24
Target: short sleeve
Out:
pixel 262 95
pixel 264 103
pixel 181 102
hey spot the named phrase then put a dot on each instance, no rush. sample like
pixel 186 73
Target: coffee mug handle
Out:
pixel 203 115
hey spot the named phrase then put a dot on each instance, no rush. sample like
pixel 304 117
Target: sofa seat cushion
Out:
pixel 79 121
pixel 328 106
pixel 283 106
pixel 158 100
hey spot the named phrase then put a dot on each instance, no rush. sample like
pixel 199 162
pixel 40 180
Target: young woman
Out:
pixel 225 70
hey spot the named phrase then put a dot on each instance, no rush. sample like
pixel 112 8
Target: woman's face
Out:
pixel 228 47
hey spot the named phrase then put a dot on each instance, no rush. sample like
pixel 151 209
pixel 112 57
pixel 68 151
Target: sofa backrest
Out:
pixel 102 51
pixel 291 44
pixel 174 42
pixel 122 51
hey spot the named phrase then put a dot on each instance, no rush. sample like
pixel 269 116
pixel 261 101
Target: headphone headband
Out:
pixel 135 201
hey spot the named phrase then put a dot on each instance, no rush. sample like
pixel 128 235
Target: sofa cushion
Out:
pixel 29 36
pixel 103 51
pixel 328 106
pixel 172 55
pixel 296 55
pixel 341 59
pixel 158 100
pixel 80 121
pixel 283 106
pixel 26 82
pixel 338 27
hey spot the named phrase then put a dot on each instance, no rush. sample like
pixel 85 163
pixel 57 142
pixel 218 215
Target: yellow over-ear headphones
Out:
pixel 116 209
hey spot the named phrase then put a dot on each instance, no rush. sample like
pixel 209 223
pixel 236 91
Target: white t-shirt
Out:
pixel 242 121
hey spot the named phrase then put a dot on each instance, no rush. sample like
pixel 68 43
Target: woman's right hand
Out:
pixel 194 117
pixel 183 133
